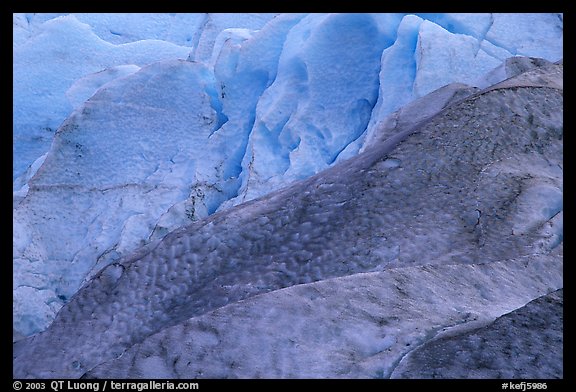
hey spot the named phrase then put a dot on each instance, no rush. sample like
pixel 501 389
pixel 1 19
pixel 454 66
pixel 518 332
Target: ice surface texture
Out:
pixel 526 343
pixel 358 326
pixel 443 198
pixel 145 147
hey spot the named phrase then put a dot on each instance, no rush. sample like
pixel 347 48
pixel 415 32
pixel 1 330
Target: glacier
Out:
pixel 429 204
pixel 132 128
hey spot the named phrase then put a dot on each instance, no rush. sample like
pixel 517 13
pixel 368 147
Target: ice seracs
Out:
pixel 433 211
pixel 263 100
pixel 320 101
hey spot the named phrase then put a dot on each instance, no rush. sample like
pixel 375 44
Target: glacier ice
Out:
pixel 479 353
pixel 320 101
pixel 85 87
pixel 76 49
pixel 516 32
pixel 437 49
pixel 121 28
pixel 48 64
pixel 397 70
pixel 114 155
pixel 214 23
pixel 147 143
pixel 357 326
pixel 400 212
